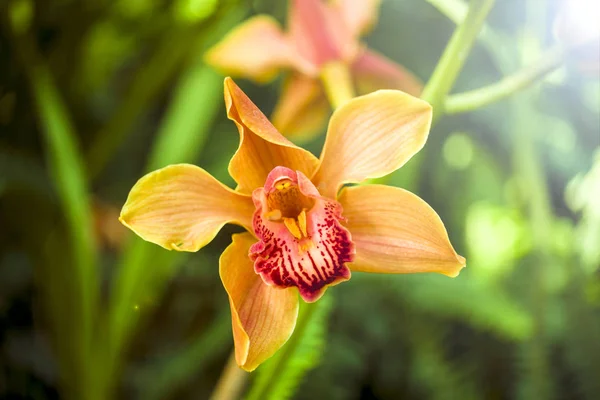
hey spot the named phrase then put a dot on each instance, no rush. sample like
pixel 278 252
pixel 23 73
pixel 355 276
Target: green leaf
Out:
pixel 185 128
pixel 582 330
pixel 80 280
pixel 174 370
pixel 22 171
pixel 145 269
pixel 435 374
pixel 278 378
pixel 467 300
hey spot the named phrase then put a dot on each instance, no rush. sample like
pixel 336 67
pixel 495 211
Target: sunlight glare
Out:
pixel 582 18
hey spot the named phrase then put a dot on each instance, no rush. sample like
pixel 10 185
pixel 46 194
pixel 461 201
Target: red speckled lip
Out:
pixel 310 259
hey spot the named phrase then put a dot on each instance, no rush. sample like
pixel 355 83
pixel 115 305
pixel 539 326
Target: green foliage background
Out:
pixel 95 93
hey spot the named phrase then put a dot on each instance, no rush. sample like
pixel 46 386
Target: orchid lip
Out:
pixel 302 242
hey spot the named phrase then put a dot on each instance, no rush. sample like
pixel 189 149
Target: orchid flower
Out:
pixel 306 229
pixel 320 37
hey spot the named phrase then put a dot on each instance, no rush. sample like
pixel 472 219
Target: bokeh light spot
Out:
pixel 583 17
pixel 458 151
pixel 21 15
pixel 195 10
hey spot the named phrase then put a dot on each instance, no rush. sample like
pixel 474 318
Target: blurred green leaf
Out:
pixel 432 371
pixel 181 138
pixel 21 14
pixel 171 371
pixel 194 10
pixel 583 195
pixel 22 171
pixel 185 127
pixel 468 300
pixel 278 377
pixel 154 77
pixel 78 285
pixel 496 238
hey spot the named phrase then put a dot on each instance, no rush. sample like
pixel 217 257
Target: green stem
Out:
pixel 455 55
pixel 337 83
pixel 456 11
pixel 443 78
pixel 232 381
pixel 471 100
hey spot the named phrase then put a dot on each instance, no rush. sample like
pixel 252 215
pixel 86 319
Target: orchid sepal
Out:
pixel 182 207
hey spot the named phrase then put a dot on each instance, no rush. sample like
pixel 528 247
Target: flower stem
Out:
pixel 481 97
pixel 444 76
pixel 232 381
pixel 337 82
pixel 455 55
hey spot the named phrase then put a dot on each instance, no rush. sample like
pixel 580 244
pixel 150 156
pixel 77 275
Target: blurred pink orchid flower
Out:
pixel 320 34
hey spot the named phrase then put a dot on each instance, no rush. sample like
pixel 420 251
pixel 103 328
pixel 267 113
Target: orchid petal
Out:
pixel 371 136
pixel 359 15
pixel 302 110
pixel 263 317
pixel 396 232
pixel 256 49
pixel 182 207
pixel 319 33
pixel 373 71
pixel 262 147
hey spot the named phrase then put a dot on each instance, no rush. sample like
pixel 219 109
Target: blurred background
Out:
pixel 94 93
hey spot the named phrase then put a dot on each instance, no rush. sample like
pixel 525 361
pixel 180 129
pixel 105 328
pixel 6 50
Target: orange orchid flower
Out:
pixel 319 35
pixel 305 230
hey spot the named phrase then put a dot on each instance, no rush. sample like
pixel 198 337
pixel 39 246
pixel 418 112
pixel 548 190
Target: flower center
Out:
pixel 301 241
pixel 287 204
